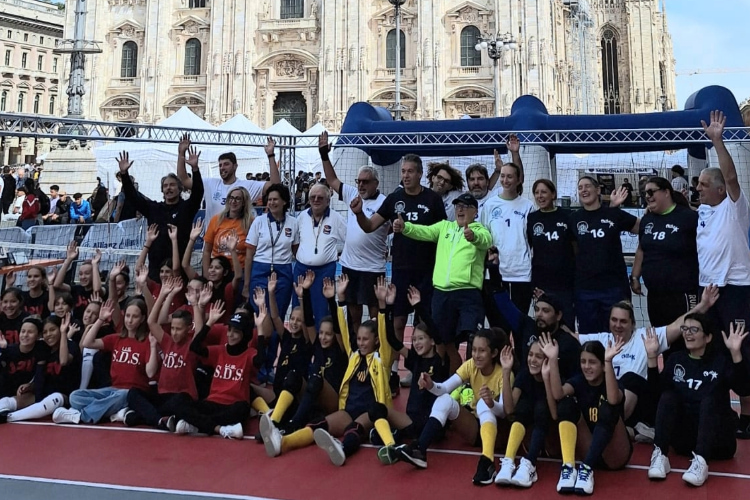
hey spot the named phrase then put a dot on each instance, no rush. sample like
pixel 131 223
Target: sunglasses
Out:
pixel 363 181
pixel 650 192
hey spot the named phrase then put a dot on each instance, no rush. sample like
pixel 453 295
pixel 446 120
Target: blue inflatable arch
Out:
pixel 529 114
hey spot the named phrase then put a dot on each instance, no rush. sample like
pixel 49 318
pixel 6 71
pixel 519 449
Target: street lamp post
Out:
pixel 495 45
pixel 397 108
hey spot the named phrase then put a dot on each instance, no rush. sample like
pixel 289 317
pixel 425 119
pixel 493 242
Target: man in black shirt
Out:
pixel 413 261
pixel 173 210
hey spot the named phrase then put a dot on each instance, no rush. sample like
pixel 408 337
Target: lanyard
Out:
pixel 317 234
pixel 279 227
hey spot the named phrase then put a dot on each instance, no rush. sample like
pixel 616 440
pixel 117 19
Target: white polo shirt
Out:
pixel 722 239
pixel 318 242
pixel 506 220
pixel 363 251
pixel 273 245
pixel 633 357
pixel 450 209
pixel 215 193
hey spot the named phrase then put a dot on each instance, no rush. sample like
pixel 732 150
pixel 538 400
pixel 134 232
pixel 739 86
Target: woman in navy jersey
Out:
pixel 601 277
pixel 553 259
pixel 22 375
pixel 590 415
pixel 36 298
pixel 11 314
pixel 62 372
pixel 695 413
pixel 667 256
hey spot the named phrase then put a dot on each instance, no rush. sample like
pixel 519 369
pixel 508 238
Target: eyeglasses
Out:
pixel 234 199
pixel 461 206
pixel 650 192
pixel 440 178
pixel 691 329
pixel 363 181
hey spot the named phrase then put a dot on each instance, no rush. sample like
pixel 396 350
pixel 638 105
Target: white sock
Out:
pixel 8 404
pixel 87 367
pixel 44 408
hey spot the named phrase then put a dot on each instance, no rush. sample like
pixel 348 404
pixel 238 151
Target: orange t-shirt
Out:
pixel 217 235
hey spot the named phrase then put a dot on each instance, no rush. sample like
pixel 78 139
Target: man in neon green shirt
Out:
pixel 457 306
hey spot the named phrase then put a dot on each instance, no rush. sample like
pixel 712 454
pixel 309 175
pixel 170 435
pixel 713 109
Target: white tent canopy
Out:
pixel 308 158
pixel 152 161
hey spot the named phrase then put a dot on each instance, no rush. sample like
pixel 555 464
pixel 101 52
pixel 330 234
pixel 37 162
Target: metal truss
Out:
pixel 64 129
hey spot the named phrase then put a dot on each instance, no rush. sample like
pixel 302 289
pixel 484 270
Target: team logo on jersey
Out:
pixel 711 374
pixel 607 221
pixel 326 229
pixel 216 196
pixel 678 374
pixel 496 213
pixel 538 229
pixel 562 225
pixel 649 228
pixel 400 207
pixel 705 212
pixel 424 208
pixel 673 228
pixel 531 341
pixel 582 227
pixel 288 232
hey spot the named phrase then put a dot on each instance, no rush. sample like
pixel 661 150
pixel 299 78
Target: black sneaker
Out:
pixel 395 384
pixel 485 472
pixel 164 422
pixel 4 416
pixel 172 423
pixel 376 440
pixel 412 455
pixel 131 419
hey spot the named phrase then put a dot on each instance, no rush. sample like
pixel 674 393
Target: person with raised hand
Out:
pixel 169 268
pixel 61 372
pixel 590 414
pixel 695 414
pixel 176 382
pixel 722 241
pixel 173 210
pixel 234 220
pixel 89 279
pixel 234 365
pixel 459 271
pixel 130 353
pixel 36 298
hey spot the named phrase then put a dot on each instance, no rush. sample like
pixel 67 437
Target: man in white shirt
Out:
pixel 722 240
pixel 363 258
pixel 215 193
pixel 679 183
pixel 321 231
pixel 481 185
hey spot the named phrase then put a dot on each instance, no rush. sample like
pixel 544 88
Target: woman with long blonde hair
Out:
pixel 236 218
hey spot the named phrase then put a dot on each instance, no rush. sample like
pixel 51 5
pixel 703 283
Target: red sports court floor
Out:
pixel 109 458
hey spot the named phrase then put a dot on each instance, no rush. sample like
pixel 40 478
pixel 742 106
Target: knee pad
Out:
pixel 356 429
pixel 608 415
pixel 445 408
pixel 314 385
pixel 292 382
pixel 568 411
pixel 485 414
pixel 377 412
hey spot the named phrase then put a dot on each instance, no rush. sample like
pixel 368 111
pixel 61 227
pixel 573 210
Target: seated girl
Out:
pixel 695 414
pixel 590 415
pixel 23 364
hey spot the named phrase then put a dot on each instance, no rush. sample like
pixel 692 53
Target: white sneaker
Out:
pixel 119 416
pixel 66 416
pixel 185 428
pixel 525 474
pixel 659 465
pixel 585 480
pixel 271 436
pixel 568 476
pixel 505 474
pixel 330 445
pixel 644 433
pixel 406 381
pixel 697 473
pixel 232 431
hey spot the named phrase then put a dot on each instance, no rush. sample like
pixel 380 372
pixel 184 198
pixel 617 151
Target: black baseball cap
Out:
pixel 466 199
pixel 241 321
pixel 552 301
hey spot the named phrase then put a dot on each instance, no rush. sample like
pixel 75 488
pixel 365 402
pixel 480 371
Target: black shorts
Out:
pixel 733 306
pixel 403 278
pixel 664 308
pixel 456 312
pixel 361 289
